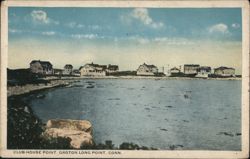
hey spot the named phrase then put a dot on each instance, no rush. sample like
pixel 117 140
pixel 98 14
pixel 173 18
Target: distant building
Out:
pixel 68 69
pixel 175 71
pixel 224 71
pixel 191 69
pixel 76 73
pixel 112 68
pixel 147 70
pixel 204 71
pixel 93 70
pixel 58 71
pixel 41 67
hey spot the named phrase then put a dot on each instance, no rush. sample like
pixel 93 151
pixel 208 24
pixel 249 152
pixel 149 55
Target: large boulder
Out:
pixel 79 131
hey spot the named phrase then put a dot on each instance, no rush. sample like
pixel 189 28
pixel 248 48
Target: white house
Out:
pixel 191 69
pixel 68 69
pixel 175 71
pixel 93 70
pixel 147 70
pixel 41 67
pixel 203 72
pixel 224 71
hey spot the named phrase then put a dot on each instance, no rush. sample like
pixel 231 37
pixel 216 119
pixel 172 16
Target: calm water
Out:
pixel 190 114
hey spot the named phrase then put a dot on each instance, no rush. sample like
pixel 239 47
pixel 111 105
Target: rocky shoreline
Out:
pixel 28 88
pixel 157 78
pixel 26 130
pixel 56 82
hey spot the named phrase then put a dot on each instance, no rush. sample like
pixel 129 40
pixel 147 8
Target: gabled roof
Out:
pixel 191 65
pixel 68 66
pixel 223 68
pixel 43 63
pixel 149 66
pixel 175 68
pixel 95 65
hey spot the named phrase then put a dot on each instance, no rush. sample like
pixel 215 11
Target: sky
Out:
pixel 128 37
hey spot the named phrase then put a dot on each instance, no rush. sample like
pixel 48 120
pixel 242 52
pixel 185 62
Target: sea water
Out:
pixel 164 114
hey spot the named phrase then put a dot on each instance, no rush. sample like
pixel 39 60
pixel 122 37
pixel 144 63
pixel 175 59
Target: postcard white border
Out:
pixel 244 4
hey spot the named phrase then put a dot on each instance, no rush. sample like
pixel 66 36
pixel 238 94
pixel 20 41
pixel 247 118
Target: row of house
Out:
pixel 91 69
pixel 195 70
pixel 46 68
pixel 190 70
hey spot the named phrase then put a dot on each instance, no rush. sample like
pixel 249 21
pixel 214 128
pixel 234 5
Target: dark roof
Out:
pixel 175 68
pixel 223 68
pixel 96 65
pixel 68 66
pixel 150 66
pixel 114 67
pixel 43 63
pixel 205 68
pixel 192 65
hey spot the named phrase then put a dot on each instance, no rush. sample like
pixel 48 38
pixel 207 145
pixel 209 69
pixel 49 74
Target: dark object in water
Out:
pixel 114 99
pixel 238 134
pixel 90 82
pixel 90 86
pixel 169 106
pixel 186 121
pixel 77 85
pixel 187 94
pixel 226 134
pixel 163 129
pixel 147 108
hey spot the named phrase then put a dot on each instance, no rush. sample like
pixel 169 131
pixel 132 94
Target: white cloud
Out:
pixel 142 15
pixel 85 36
pixel 41 17
pixel 79 26
pixel 158 40
pixel 235 25
pixel 174 41
pixel 49 33
pixel 219 28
